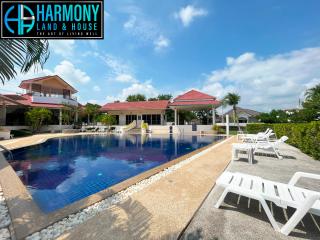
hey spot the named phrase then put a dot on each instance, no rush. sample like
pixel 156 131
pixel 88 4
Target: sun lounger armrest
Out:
pixel 295 178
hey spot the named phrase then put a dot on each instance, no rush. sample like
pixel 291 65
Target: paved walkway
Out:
pixel 162 209
pixel 236 221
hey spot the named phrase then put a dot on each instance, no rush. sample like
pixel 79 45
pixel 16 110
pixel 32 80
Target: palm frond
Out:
pixel 21 55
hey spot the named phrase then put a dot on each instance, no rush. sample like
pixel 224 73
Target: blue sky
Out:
pixel 267 51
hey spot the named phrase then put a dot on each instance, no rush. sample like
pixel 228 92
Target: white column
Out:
pixel 227 125
pixel 213 116
pixel 60 117
pixel 175 116
pixel 77 116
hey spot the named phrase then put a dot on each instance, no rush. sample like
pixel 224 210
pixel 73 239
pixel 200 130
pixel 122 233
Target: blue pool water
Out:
pixel 64 170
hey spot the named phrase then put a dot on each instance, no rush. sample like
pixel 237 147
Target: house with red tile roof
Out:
pixel 50 92
pixel 153 112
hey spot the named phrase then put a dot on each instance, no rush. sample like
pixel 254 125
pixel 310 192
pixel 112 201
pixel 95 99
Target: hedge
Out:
pixel 305 136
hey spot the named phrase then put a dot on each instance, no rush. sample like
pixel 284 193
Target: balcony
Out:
pixel 54 99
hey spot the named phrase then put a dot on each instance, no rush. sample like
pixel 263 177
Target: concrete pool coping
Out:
pixel 26 216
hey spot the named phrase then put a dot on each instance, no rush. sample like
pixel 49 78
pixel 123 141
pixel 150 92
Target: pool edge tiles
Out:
pixel 28 218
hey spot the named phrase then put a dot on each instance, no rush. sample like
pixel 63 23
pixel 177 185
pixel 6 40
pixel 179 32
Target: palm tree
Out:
pixel 233 99
pixel 312 92
pixel 223 105
pixel 21 54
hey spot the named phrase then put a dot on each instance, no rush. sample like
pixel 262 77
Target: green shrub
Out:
pixel 305 136
pixel 215 128
pixel 21 133
pixel 144 125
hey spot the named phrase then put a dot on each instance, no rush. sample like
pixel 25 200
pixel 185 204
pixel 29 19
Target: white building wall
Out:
pixel 180 129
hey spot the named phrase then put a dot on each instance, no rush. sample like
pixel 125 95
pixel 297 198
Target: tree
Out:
pixel 161 97
pixel 136 98
pixel 107 120
pixel 233 99
pixel 164 96
pixel 311 105
pixel 204 115
pixel 20 54
pixel 69 113
pixel 36 117
pixel 275 116
pixel 92 110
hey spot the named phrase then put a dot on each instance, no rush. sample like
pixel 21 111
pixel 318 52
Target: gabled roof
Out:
pixel 194 95
pixel 194 98
pixel 25 83
pixel 141 105
pixel 245 110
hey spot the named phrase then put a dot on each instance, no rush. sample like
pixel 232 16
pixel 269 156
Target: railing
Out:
pixel 53 100
pixel 7 150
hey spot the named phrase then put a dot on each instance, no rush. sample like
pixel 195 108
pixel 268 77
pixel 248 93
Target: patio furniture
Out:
pixel 249 148
pixel 258 137
pixel 270 146
pixel 286 195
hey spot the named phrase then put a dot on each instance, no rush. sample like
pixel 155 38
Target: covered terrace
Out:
pixel 194 101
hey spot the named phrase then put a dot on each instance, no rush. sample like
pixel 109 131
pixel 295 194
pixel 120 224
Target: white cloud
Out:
pixel 161 43
pixel 116 65
pixel 145 88
pixel 64 48
pixel 71 73
pixel 189 13
pixel 96 88
pixel 11 86
pixel 266 83
pixel 65 69
pixel 146 32
pixel 125 78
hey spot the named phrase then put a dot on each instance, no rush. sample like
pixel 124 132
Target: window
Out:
pixel 152 119
pixel 130 118
pixel 117 119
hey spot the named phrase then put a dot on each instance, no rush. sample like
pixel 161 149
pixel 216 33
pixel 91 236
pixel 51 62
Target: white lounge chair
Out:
pixel 271 146
pixel 286 195
pixel 262 136
pixel 261 144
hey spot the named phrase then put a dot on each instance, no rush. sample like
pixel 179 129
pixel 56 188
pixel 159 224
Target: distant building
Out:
pixel 51 92
pixel 244 115
pixel 153 112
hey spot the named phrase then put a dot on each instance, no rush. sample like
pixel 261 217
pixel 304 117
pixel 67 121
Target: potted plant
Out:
pixel 144 128
pixel 215 129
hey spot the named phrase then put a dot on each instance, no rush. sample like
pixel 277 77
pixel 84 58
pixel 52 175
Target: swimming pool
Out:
pixel 64 170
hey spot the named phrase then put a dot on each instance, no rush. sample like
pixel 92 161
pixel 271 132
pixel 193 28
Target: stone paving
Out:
pixel 237 221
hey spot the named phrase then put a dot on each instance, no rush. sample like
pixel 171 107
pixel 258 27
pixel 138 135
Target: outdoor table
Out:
pixel 249 148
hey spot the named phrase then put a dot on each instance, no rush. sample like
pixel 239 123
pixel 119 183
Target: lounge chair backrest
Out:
pixel 266 132
pixel 283 139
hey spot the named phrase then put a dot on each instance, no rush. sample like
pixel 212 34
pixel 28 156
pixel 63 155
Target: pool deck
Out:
pixel 237 221
pixel 149 213
pixel 162 209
